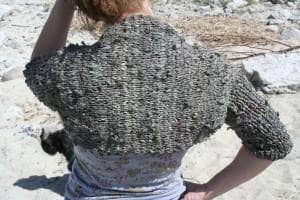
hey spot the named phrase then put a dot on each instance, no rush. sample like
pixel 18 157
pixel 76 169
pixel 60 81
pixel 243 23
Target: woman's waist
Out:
pixel 170 187
pixel 131 169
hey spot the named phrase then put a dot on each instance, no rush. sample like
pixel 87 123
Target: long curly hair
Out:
pixel 108 11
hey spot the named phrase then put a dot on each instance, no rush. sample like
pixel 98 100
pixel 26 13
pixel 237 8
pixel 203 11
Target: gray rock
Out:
pixel 273 28
pixel 280 72
pixel 291 4
pixel 14 73
pixel 281 13
pixel 281 1
pixel 217 11
pixel 3 38
pixel 256 80
pixel 11 42
pixel 291 34
pixel 256 8
pixel 4 11
pixel 235 4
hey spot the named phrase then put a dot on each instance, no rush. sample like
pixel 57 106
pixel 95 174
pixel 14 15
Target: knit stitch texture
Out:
pixel 142 89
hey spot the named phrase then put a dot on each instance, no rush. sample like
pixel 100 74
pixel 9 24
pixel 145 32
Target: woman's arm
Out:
pixel 244 167
pixel 263 135
pixel 54 34
pixel 43 71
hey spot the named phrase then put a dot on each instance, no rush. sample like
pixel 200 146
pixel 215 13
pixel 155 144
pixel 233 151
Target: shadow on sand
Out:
pixel 55 184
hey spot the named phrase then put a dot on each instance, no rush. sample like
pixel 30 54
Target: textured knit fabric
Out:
pixel 140 177
pixel 142 89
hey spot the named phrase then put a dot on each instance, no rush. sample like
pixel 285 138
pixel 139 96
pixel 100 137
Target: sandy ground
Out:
pixel 27 173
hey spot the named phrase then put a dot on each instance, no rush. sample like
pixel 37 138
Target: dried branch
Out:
pixel 261 54
pixel 277 41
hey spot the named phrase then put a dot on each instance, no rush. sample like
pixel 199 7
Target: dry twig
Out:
pixel 261 54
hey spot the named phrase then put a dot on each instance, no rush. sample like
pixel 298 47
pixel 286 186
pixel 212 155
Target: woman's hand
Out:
pixel 196 192
pixel 244 167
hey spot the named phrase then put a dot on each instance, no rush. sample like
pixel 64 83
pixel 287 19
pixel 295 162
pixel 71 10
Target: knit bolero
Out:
pixel 142 89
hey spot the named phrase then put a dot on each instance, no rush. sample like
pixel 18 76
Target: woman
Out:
pixel 138 98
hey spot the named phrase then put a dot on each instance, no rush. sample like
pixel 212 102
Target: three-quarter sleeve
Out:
pixel 43 74
pixel 40 77
pixel 255 122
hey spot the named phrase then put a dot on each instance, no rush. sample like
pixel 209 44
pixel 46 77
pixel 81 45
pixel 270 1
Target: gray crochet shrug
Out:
pixel 142 89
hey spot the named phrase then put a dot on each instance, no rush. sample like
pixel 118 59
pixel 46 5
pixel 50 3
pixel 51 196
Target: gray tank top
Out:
pixel 134 176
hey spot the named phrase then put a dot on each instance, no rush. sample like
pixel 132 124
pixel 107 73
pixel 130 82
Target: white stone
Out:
pixel 291 34
pixel 217 11
pixel 256 8
pixel 11 113
pixel 4 11
pixel 273 28
pixel 3 38
pixel 236 4
pixel 14 73
pixel 291 4
pixel 280 70
pixel 281 13
pixel 11 42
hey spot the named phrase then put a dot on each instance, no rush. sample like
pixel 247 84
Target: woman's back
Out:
pixel 139 89
pixel 144 94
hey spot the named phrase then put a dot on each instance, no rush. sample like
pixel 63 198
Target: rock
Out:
pixel 205 9
pixel 291 4
pixel 11 42
pixel 3 66
pixel 3 38
pixel 256 80
pixel 279 1
pixel 217 11
pixel 254 8
pixel 4 11
pixel 273 28
pixel 11 113
pixel 281 13
pixel 14 73
pixel 46 7
pixel 235 4
pixel 277 70
pixel 273 22
pixel 192 40
pixel 291 34
pixel 271 17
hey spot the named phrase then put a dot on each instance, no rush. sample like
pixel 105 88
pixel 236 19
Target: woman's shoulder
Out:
pixel 139 29
pixel 42 72
pixel 57 56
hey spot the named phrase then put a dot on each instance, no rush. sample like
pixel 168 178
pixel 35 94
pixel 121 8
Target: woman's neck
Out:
pixel 145 10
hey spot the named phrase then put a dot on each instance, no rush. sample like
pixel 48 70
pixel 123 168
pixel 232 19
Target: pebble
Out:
pixel 4 11
pixel 291 4
pixel 10 113
pixel 291 34
pixel 3 38
pixel 278 70
pixel 235 4
pixel 11 42
pixel 14 73
pixel 281 13
pixel 273 28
